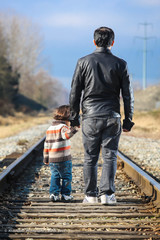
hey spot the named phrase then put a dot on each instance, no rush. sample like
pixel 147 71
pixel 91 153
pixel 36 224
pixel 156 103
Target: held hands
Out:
pixel 75 123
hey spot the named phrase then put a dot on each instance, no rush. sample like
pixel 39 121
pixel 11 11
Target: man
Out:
pixel 101 77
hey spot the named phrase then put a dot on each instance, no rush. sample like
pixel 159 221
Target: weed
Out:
pixel 22 142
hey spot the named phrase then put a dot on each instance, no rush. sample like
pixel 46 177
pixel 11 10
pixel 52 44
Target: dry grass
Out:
pixel 12 125
pixel 147 99
pixel 147 124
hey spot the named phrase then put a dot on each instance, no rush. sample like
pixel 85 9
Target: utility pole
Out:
pixel 145 38
pixel 145 56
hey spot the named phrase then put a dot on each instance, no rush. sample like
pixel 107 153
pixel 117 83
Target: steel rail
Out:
pixel 144 181
pixel 27 212
pixel 15 168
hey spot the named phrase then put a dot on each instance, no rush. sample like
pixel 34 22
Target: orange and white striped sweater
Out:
pixel 57 144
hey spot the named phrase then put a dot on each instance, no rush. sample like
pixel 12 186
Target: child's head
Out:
pixel 62 113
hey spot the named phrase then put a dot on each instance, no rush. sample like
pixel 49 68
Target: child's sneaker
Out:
pixel 67 198
pixel 54 198
pixel 89 199
pixel 108 199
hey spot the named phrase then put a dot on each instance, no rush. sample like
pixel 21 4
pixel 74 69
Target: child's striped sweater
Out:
pixel 57 144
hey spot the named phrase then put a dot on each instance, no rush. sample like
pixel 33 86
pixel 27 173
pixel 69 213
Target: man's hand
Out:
pixel 127 125
pixel 125 130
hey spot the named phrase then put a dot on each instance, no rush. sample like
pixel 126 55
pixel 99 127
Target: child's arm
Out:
pixel 68 132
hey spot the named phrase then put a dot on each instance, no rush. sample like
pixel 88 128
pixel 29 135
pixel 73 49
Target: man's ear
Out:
pixel 94 42
pixel 112 43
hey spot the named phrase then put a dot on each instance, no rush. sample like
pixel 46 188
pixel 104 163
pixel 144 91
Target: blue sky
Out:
pixel 68 26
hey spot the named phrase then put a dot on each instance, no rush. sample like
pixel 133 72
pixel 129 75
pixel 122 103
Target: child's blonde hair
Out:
pixel 62 113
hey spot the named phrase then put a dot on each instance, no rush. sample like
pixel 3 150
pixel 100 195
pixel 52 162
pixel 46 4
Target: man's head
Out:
pixel 104 37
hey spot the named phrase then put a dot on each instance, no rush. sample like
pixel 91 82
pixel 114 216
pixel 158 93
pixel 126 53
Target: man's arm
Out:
pixel 75 95
pixel 128 100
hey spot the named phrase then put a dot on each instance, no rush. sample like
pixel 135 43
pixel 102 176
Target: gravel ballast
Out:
pixel 145 152
pixel 22 141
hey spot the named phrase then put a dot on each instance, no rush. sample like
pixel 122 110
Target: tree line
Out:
pixel 21 68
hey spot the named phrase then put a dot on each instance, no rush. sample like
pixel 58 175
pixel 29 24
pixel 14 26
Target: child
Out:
pixel 57 154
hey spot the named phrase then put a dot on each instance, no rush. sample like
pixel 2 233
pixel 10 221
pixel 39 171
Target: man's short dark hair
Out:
pixel 103 36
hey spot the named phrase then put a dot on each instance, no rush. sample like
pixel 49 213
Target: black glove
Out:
pixel 75 122
pixel 127 124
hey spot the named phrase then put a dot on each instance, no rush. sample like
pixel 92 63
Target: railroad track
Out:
pixel 27 213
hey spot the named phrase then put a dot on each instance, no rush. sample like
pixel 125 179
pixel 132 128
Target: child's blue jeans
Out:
pixel 61 178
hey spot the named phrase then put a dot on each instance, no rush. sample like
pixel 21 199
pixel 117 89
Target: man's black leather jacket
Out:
pixel 99 78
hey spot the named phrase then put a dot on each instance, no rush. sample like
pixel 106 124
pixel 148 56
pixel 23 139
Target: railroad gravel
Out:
pixel 144 151
pixel 27 203
pixel 22 141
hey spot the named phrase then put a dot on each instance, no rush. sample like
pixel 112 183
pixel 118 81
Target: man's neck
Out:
pixel 107 47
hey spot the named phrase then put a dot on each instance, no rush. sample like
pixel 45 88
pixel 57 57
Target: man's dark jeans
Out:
pixel 100 133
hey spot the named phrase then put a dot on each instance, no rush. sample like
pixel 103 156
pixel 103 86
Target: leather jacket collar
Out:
pixel 103 49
